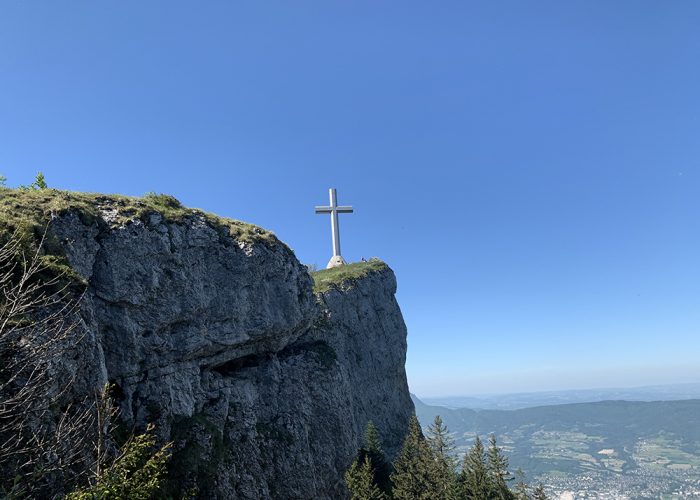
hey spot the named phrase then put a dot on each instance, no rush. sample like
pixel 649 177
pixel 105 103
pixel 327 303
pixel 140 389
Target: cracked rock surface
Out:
pixel 264 387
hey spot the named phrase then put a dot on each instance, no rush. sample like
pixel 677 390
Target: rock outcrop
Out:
pixel 263 385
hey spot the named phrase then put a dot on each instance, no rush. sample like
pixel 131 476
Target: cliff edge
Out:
pixel 212 330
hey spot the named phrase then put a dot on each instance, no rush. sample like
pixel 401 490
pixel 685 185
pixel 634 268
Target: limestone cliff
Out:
pixel 212 330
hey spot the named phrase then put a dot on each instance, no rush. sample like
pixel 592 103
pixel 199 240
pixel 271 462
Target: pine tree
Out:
pixel 372 441
pixel 539 493
pixel 411 478
pixel 372 449
pixel 360 481
pixel 473 479
pixel 497 467
pixel 443 466
pixel 521 487
pixel 40 181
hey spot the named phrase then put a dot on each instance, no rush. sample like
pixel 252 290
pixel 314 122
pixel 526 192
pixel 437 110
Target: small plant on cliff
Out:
pixel 39 183
pixel 165 201
pixel 3 180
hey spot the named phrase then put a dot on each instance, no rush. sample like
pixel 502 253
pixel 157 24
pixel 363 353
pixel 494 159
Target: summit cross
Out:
pixel 334 210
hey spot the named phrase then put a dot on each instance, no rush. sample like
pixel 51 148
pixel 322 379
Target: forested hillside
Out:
pixel 652 443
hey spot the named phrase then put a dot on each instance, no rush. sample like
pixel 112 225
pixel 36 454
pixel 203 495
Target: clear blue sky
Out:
pixel 529 169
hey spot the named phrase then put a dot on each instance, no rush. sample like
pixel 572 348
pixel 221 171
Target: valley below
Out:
pixel 605 449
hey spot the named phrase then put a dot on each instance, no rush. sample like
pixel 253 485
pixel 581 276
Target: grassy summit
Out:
pixel 28 210
pixel 328 278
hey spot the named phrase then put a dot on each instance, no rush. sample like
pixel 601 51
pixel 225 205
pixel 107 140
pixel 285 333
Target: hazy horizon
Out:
pixel 426 397
pixel 567 380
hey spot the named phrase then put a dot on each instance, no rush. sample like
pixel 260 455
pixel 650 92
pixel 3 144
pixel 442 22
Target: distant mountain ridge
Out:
pixel 514 401
pixel 641 416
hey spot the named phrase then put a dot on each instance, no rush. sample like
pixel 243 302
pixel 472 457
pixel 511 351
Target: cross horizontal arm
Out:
pixel 344 210
pixel 324 210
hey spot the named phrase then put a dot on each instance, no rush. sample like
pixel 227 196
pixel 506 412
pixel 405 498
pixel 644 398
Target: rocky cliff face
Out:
pixel 264 386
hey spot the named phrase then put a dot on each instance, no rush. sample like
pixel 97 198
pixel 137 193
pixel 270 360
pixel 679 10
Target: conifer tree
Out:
pixel 372 440
pixel 40 181
pixel 411 478
pixel 497 467
pixel 372 449
pixel 443 465
pixel 473 479
pixel 539 493
pixel 521 492
pixel 360 481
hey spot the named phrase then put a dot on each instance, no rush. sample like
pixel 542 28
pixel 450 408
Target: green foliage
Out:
pixel 40 181
pixel 164 201
pixel 360 481
pixel 427 469
pixel 38 184
pixel 137 473
pixel 29 210
pixel 345 275
pixel 3 180
pixel 443 466
pixel 497 468
pixel 412 478
pixel 372 440
pixel 372 450
pixel 473 480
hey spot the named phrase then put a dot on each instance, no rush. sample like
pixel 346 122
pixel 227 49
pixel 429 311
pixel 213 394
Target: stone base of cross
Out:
pixel 336 261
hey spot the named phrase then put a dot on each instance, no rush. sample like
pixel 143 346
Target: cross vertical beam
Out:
pixel 334 209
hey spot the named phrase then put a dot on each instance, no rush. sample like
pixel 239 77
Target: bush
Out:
pixel 137 473
pixel 162 200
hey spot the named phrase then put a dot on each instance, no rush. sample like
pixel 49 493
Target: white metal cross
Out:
pixel 334 210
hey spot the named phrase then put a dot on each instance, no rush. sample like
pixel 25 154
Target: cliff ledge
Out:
pixel 211 329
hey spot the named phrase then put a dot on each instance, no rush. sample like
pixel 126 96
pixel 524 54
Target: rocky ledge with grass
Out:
pixel 263 375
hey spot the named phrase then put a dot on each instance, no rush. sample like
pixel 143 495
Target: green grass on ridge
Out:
pixel 27 213
pixel 326 279
pixel 29 210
